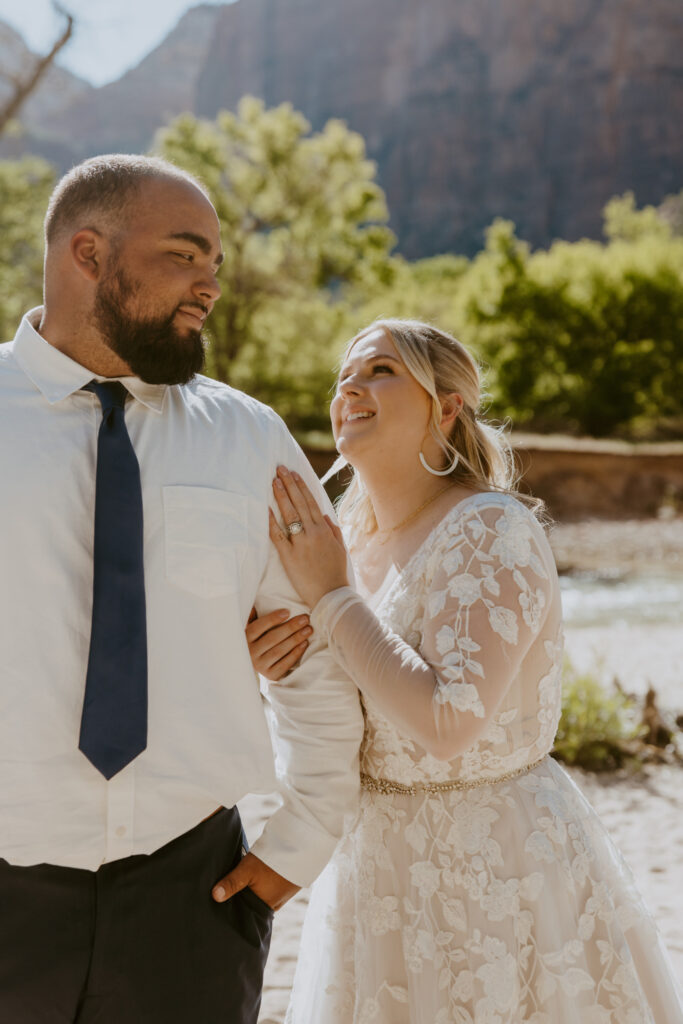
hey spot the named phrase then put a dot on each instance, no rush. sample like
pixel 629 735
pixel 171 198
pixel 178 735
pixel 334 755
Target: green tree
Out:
pixel 585 337
pixel 423 290
pixel 301 217
pixel 671 211
pixel 25 186
pixel 624 222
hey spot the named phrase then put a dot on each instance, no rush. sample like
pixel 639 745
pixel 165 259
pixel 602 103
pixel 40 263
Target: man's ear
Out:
pixel 87 249
pixel 451 407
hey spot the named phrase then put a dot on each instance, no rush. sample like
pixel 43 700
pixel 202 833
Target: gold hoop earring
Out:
pixel 439 472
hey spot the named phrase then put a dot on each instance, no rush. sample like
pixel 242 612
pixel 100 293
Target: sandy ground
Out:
pixel 643 813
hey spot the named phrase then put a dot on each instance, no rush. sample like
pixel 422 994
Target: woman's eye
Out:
pixel 377 368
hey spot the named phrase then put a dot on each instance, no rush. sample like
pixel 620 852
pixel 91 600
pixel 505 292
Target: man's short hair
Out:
pixel 100 189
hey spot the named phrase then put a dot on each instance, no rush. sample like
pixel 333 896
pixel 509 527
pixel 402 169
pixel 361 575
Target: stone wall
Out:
pixel 583 478
pixel 580 479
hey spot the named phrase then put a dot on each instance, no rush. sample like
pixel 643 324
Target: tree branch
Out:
pixel 26 85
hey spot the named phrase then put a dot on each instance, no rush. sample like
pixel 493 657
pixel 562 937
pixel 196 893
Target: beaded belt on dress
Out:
pixel 389 786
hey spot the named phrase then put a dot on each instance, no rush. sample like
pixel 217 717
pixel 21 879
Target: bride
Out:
pixel 477 885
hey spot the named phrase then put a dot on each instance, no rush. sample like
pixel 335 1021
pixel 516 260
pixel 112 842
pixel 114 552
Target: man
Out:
pixel 134 543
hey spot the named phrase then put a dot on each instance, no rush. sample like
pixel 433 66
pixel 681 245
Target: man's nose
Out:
pixel 208 288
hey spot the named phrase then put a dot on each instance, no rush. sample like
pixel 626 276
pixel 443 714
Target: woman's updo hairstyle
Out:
pixel 441 365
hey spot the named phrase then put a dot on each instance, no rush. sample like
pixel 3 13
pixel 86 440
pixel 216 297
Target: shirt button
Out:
pixel 121 831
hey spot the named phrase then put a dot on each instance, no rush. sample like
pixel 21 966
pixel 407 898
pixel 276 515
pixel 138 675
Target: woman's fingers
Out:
pixel 300 493
pixel 300 496
pixel 288 510
pixel 335 530
pixel 277 534
pixel 313 558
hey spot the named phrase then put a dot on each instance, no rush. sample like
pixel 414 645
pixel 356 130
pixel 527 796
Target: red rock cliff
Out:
pixel 529 109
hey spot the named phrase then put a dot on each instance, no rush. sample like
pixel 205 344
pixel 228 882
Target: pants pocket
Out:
pixel 256 903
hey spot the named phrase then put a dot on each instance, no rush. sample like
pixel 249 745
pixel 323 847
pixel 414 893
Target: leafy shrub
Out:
pixel 599 729
pixel 25 186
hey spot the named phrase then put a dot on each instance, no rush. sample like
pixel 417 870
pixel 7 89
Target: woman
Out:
pixel 477 885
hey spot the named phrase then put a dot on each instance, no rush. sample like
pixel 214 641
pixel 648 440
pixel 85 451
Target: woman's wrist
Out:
pixel 323 611
pixel 317 595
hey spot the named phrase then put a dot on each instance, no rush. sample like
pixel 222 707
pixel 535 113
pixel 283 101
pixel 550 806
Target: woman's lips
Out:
pixel 359 416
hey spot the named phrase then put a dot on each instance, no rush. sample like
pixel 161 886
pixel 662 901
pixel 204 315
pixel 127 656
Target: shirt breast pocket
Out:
pixel 205 538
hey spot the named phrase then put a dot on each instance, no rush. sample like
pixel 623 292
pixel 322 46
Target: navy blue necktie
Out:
pixel 114 721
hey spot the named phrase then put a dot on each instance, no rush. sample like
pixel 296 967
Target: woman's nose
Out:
pixel 350 386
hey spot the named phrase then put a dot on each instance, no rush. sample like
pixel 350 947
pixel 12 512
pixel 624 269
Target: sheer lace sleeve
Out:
pixel 487 597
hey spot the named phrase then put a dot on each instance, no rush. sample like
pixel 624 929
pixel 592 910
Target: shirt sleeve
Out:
pixel 485 604
pixel 317 724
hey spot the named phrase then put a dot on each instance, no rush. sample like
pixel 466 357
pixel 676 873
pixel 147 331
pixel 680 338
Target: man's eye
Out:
pixel 187 256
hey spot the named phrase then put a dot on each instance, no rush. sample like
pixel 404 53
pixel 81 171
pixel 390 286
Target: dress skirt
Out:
pixel 501 904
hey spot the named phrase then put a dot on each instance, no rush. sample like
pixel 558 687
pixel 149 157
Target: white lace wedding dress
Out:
pixel 477 885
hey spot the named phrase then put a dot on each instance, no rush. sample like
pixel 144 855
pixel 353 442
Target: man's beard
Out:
pixel 153 347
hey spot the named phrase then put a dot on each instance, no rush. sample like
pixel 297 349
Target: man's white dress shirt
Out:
pixel 207 457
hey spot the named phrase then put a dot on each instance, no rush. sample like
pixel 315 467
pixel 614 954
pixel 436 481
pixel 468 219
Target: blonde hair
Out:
pixel 441 365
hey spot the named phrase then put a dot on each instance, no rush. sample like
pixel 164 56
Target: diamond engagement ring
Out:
pixel 295 527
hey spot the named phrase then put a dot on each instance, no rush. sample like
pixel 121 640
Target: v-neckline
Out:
pixel 376 596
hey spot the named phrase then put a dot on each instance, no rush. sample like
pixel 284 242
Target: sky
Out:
pixel 110 37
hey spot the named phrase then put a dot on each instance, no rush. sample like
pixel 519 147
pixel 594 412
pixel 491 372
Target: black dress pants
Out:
pixel 140 941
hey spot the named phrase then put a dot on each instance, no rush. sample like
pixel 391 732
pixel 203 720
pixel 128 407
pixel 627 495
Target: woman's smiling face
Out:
pixel 379 405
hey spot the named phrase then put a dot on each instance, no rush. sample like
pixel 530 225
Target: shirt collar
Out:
pixel 57 376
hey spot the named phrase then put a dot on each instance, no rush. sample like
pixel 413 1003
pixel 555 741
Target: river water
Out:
pixel 589 599
pixel 629 626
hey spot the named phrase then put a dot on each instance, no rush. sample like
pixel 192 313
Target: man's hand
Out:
pixel 272 888
pixel 276 642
